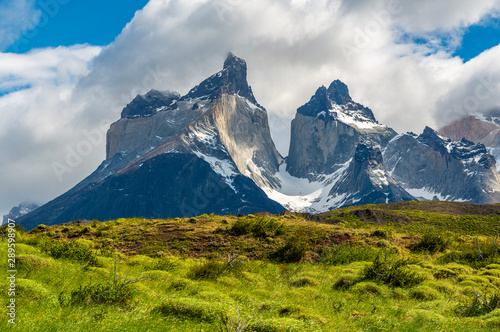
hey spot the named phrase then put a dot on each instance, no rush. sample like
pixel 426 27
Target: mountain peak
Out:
pixel 339 93
pixel 232 79
pixel 232 61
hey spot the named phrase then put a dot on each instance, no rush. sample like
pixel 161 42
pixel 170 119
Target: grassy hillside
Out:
pixel 414 266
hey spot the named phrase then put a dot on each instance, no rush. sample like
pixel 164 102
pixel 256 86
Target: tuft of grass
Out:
pixel 293 251
pixel 393 273
pixel 479 304
pixel 346 254
pixel 424 293
pixel 70 251
pixel 209 270
pixel 304 282
pixel 98 294
pixel 477 254
pixel 346 281
pixel 260 227
pixel 431 243
pixel 189 308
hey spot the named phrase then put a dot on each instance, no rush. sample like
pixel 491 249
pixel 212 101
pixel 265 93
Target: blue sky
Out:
pixel 99 22
pixel 478 38
pixel 95 22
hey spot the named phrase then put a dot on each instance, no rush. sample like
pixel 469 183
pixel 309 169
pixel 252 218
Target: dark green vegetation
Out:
pixel 414 266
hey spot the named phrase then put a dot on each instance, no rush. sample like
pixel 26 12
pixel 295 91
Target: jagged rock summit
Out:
pixel 231 80
pixel 327 130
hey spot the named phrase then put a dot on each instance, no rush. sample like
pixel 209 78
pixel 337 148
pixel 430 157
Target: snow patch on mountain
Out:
pixel 352 117
pixel 223 167
pixel 303 195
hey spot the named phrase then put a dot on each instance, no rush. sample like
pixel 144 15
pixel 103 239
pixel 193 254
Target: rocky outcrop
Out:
pixel 431 166
pixel 367 181
pixel 327 130
pixel 149 104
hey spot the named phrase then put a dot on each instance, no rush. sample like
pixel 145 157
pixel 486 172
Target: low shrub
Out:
pixel 189 308
pixel 477 255
pixel 165 264
pixel 68 250
pixel 260 227
pixel 368 288
pixel 346 254
pixel 304 282
pixel 380 234
pixel 393 273
pixel 209 270
pixel 346 281
pixel 98 294
pixel 431 243
pixel 293 251
pixel 424 293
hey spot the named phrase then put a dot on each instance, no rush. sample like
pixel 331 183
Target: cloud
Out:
pixel 36 124
pixel 291 46
pixel 16 18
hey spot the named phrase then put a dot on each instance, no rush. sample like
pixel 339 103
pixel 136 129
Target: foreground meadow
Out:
pixel 416 266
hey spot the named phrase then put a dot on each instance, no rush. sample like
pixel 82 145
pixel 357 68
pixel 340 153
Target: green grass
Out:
pixel 370 268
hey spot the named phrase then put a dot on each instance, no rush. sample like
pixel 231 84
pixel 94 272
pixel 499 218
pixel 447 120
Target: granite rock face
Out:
pixel 431 166
pixel 327 130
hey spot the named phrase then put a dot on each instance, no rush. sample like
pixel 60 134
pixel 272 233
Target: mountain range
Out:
pixel 211 151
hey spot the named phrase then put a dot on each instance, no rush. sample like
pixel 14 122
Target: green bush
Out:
pixel 68 250
pixel 424 293
pixel 258 227
pixel 188 308
pixel 346 281
pixel 165 264
pixel 293 251
pixel 393 273
pixel 304 282
pixel 99 294
pixel 209 270
pixel 379 233
pixel 476 255
pixel 368 288
pixel 431 242
pixel 346 254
